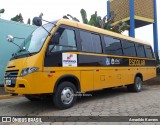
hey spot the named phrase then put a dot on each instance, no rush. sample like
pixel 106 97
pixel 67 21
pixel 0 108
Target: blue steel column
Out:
pixel 155 29
pixel 108 9
pixel 132 21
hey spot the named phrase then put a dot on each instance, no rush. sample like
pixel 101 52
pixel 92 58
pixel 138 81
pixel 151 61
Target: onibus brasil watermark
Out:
pixel 32 119
pixel 21 119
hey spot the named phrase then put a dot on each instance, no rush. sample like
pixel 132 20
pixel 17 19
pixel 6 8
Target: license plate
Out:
pixel 8 82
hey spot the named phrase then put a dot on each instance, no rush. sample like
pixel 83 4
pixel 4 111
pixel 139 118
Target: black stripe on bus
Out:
pixel 55 60
pixel 89 60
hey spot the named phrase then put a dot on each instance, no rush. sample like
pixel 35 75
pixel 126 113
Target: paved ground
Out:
pixel 118 102
pixel 2 92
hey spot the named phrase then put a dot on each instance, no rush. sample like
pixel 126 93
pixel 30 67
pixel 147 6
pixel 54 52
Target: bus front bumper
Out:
pixel 37 83
pixel 21 87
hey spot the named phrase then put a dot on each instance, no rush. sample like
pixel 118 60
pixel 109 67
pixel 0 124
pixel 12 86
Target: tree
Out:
pixel 29 21
pixel 84 16
pixel 70 16
pixel 2 11
pixel 18 18
pixel 99 22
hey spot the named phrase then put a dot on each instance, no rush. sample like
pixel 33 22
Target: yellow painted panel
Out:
pixel 86 80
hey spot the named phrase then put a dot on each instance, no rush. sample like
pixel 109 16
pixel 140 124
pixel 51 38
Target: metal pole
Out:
pixel 155 29
pixel 108 9
pixel 132 21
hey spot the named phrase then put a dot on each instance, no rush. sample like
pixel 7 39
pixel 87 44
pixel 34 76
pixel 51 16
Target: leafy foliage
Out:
pixel 84 16
pixel 29 21
pixel 70 16
pixel 2 10
pixel 99 22
pixel 18 18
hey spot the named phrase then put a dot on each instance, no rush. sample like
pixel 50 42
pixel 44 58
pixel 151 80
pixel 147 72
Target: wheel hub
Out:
pixel 67 95
pixel 139 83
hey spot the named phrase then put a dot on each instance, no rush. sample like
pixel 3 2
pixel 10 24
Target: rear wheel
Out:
pixel 137 86
pixel 64 97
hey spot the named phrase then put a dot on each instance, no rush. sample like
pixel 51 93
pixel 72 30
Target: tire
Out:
pixel 64 98
pixel 33 98
pixel 137 86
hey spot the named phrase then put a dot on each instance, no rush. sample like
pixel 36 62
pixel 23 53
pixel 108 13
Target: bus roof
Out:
pixel 99 30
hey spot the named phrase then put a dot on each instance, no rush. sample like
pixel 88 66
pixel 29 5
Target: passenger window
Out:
pixel 90 42
pixel 112 46
pixel 149 52
pixel 67 40
pixel 140 50
pixel 128 48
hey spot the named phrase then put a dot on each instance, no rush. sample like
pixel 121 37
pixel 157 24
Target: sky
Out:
pixel 56 9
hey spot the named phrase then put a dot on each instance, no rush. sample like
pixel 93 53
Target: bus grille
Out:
pixel 11 75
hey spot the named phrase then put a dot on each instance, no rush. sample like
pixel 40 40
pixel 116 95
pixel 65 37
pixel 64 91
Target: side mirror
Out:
pixel 10 38
pixel 55 39
pixel 37 21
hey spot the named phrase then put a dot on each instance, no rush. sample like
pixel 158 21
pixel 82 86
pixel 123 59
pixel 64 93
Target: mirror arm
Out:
pixel 16 45
pixel 21 38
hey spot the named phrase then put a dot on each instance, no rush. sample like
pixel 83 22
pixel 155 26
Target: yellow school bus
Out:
pixel 64 57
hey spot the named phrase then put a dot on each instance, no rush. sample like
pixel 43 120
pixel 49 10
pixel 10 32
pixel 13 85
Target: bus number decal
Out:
pixel 69 60
pixel 113 61
pixel 136 62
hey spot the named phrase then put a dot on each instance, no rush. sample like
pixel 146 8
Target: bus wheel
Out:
pixel 32 98
pixel 137 86
pixel 64 97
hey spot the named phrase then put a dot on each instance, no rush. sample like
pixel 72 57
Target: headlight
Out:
pixel 29 70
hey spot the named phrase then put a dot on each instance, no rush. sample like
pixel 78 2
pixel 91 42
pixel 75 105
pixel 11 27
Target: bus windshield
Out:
pixel 35 41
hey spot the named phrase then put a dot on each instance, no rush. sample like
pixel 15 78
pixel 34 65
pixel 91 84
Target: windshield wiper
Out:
pixel 23 50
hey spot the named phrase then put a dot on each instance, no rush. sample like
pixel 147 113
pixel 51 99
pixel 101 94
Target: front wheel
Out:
pixel 137 86
pixel 64 97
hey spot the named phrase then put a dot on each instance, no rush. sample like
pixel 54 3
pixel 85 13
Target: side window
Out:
pixel 140 50
pixel 67 40
pixel 128 48
pixel 149 52
pixel 113 46
pixel 90 42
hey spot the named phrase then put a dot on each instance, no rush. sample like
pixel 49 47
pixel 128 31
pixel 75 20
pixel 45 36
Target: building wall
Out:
pixel 143 10
pixel 120 8
pixel 6 48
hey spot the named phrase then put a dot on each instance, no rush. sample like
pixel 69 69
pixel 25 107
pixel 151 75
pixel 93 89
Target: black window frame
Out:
pixel 102 42
pixel 143 49
pixel 76 38
pixel 151 51
pixel 104 35
pixel 95 33
pixel 129 42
